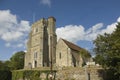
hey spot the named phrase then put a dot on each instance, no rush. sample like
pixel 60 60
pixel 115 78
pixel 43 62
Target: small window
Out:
pixel 30 65
pixel 60 55
pixel 35 64
pixel 36 30
pixel 35 55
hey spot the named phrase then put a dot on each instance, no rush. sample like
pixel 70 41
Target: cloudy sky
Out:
pixel 78 21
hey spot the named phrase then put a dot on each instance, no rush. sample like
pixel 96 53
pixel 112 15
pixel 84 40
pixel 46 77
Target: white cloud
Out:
pixel 75 33
pixel 20 45
pixel 92 32
pixel 12 30
pixel 46 2
pixel 109 29
pixel 5 16
pixel 12 36
pixel 118 20
pixel 24 26
pixel 71 32
pixel 25 51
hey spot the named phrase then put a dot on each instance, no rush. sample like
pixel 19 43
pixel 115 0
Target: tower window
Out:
pixel 36 30
pixel 35 64
pixel 35 55
pixel 60 55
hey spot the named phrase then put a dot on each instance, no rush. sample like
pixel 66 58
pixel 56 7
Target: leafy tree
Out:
pixel 17 61
pixel 85 56
pixel 107 48
pixel 84 53
pixel 3 66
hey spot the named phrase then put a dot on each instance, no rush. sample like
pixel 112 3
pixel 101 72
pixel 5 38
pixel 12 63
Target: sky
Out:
pixel 78 21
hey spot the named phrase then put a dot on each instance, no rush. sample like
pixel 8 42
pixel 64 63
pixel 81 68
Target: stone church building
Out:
pixel 67 54
pixel 44 50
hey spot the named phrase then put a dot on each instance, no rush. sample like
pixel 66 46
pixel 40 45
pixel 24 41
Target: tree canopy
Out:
pixel 15 62
pixel 85 56
pixel 3 65
pixel 107 49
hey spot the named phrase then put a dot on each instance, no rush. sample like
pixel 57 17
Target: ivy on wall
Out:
pixel 29 74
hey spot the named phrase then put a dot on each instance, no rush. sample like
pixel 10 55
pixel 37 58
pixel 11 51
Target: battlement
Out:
pixel 41 21
pixel 51 18
pixel 44 21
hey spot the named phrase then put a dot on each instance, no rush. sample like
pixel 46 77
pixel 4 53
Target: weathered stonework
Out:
pixel 41 44
pixel 67 56
pixel 42 47
pixel 80 73
pixel 67 73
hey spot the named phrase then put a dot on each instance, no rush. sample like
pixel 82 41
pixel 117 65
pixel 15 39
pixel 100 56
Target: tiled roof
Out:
pixel 72 46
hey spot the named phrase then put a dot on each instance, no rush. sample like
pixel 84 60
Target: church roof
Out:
pixel 71 45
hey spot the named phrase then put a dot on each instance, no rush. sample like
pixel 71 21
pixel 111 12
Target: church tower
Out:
pixel 41 45
pixel 52 39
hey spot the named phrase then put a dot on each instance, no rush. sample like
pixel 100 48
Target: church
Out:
pixel 43 50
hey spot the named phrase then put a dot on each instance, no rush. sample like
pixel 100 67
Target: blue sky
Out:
pixel 78 21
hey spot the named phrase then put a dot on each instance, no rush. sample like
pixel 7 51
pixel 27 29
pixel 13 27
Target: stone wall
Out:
pixel 70 73
pixel 80 74
pixel 63 56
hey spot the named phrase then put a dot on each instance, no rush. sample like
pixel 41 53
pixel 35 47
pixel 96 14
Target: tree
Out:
pixel 85 55
pixel 3 65
pixel 107 48
pixel 17 61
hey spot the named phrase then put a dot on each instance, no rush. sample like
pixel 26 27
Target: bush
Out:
pixel 5 75
pixel 29 74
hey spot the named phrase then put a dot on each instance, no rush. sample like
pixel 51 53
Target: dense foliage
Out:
pixel 107 48
pixel 3 65
pixel 85 56
pixel 5 75
pixel 31 74
pixel 17 61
